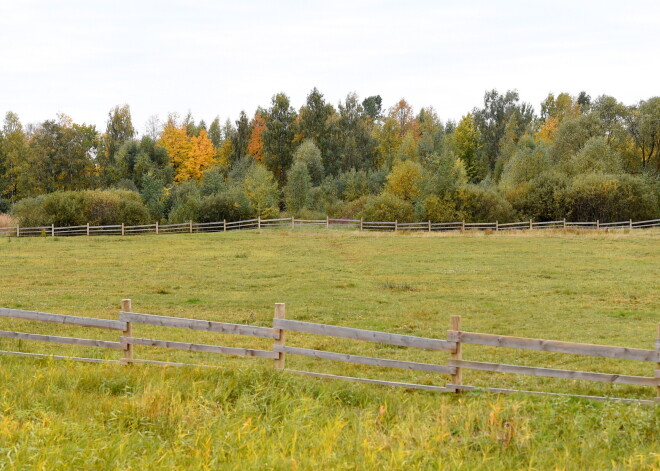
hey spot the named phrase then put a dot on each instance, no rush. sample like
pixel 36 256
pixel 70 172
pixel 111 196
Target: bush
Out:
pixel 541 198
pixel 76 208
pixel 387 207
pixel 438 209
pixel 480 204
pixel 610 198
pixel 232 205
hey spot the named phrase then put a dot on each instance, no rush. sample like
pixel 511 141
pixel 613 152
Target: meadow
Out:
pixel 594 287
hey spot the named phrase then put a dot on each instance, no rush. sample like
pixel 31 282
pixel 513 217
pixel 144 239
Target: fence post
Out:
pixel 52 230
pixel 280 313
pixel 224 225
pixel 564 223
pixel 531 225
pixel 361 222
pixel 87 229
pixel 18 230
pixel 396 225
pixel 455 325
pixel 128 348
pixel 597 223
pixel 463 225
pixel 258 222
pixel 122 228
pixel 190 227
pixel 327 222
pixel 293 222
pixel 156 227
pixel 497 225
pixel 630 224
pixel 429 226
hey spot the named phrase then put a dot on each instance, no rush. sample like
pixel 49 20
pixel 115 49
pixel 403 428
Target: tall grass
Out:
pixel 6 220
pixel 596 288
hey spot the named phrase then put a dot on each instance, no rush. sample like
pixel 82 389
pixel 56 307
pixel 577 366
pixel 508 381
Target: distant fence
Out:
pixel 357 224
pixel 453 367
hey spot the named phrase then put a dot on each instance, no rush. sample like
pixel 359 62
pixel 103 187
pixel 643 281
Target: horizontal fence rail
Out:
pixel 282 328
pixel 358 224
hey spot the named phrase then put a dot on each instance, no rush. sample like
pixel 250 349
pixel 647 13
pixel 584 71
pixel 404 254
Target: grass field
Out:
pixel 595 287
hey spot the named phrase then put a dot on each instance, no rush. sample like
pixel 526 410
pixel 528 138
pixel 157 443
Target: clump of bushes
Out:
pixel 75 208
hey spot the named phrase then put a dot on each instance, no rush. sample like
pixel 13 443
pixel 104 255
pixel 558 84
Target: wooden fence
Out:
pixel 453 366
pixel 357 224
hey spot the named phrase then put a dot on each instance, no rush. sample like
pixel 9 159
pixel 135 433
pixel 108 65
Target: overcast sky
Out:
pixel 215 58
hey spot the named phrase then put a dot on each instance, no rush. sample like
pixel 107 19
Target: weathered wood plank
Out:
pixel 374 381
pixel 544 393
pixel 58 357
pixel 406 365
pixel 367 335
pixel 555 373
pixel 55 339
pixel 555 346
pixel 63 319
pixel 196 324
pixel 196 347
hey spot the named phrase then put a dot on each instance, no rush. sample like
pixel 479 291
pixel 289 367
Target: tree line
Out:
pixel 578 158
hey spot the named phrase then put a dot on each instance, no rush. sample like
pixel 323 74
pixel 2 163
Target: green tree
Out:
pixel 467 139
pixel 297 190
pixel 13 158
pixel 310 155
pixel 644 127
pixel 119 129
pixel 491 122
pixel 278 137
pixel 261 190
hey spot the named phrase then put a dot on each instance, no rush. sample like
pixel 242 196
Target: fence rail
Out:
pixel 281 327
pixel 223 226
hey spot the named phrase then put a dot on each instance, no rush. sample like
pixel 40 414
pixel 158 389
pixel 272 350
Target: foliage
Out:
pixel 73 208
pixel 387 207
pixel 406 180
pixel 310 156
pixel 610 198
pixel 261 191
pixel 297 190
pixel 479 204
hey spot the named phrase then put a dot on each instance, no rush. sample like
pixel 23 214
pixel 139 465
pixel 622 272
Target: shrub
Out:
pixel 481 204
pixel 232 205
pixel 388 207
pixel 610 198
pixel 541 198
pixel 75 208
pixel 438 209
pixel 5 205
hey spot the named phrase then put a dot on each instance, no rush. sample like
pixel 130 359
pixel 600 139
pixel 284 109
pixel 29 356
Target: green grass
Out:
pixel 596 288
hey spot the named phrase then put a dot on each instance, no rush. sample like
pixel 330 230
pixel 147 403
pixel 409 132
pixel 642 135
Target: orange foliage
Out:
pixel 256 144
pixel 190 155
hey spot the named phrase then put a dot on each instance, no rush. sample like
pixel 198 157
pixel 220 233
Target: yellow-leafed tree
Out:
pixel 190 155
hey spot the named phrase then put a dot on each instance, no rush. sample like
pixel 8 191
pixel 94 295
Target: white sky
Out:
pixel 83 57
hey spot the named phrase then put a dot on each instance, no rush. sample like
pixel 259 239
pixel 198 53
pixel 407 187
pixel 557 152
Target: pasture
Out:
pixel 592 287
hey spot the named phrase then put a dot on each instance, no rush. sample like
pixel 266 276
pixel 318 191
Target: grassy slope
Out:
pixel 598 288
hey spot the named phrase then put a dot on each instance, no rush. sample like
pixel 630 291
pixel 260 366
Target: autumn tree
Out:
pixel 406 180
pixel 190 155
pixel 255 144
